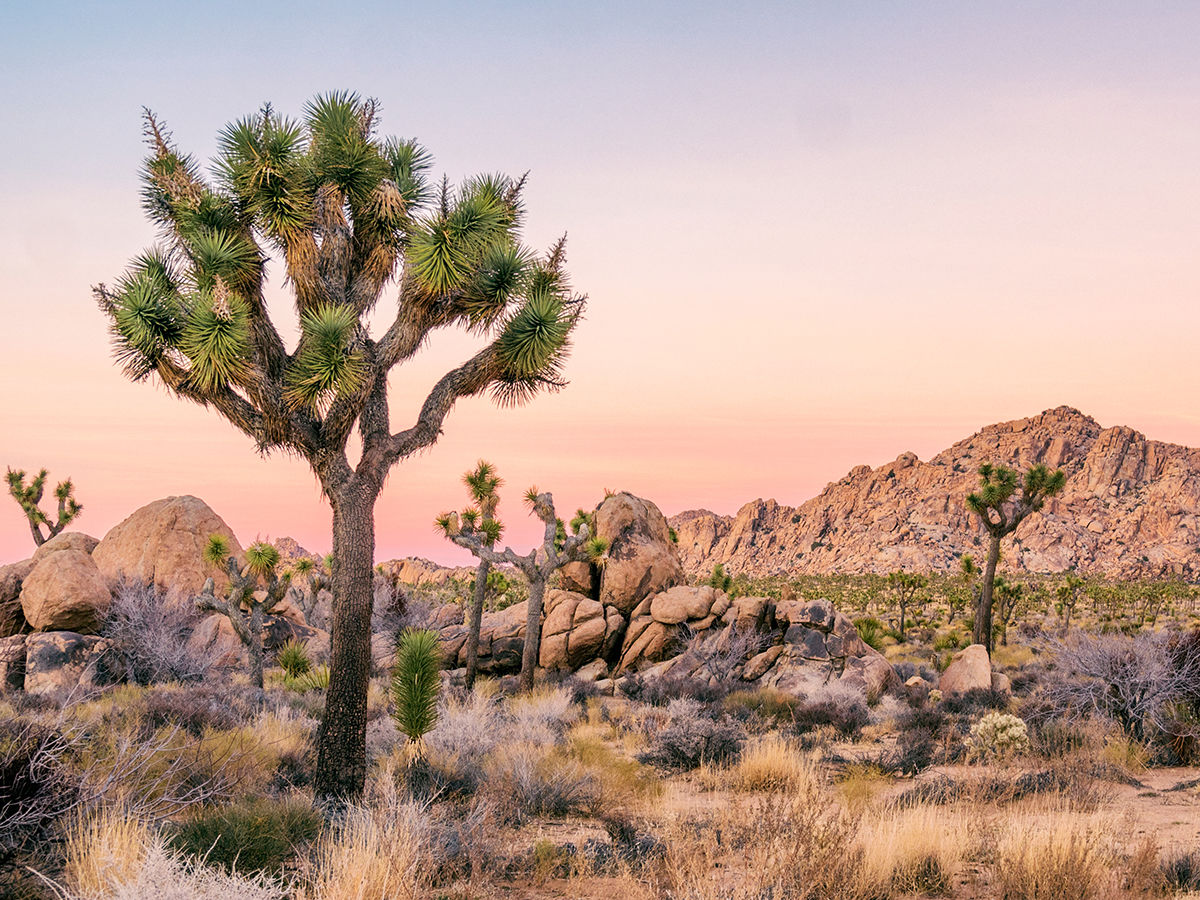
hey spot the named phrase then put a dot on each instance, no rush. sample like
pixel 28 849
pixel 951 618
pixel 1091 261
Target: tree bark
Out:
pixel 533 629
pixel 254 648
pixel 476 621
pixel 983 615
pixel 341 770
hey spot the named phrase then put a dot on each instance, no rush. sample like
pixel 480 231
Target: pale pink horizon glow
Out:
pixel 811 240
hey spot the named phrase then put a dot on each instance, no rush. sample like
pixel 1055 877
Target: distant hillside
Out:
pixel 1131 507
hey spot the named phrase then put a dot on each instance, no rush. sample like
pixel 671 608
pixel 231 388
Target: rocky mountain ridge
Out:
pixel 1130 508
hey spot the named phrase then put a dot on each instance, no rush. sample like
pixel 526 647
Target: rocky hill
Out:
pixel 1131 508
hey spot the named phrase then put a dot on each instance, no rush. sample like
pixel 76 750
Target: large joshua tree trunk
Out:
pixel 983 616
pixel 341 740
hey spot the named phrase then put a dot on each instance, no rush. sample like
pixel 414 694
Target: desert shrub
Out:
pixel 661 690
pixel 846 717
pixel 149 636
pixel 621 781
pixel 258 834
pixel 525 781
pixel 912 851
pixel 871 630
pixel 997 736
pixel 772 706
pixel 691 738
pixel 1181 870
pixel 193 709
pixel 1134 681
pixel 974 702
pixel 906 669
pixel 36 786
pixel 544 714
pixel 104 849
pixel 293 658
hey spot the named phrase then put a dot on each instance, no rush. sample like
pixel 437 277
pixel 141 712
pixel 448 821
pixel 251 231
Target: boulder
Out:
pixel 215 640
pixel 1001 683
pixel 681 603
pixel 876 673
pixel 578 577
pixel 164 542
pixel 573 631
pixel 971 669
pixel 65 591
pixel 63 661
pixel 642 559
pixel 758 665
pixel 12 617
pixel 593 671
pixel 747 612
pixel 68 540
pixel 645 641
pixel 501 640
pixel 12 663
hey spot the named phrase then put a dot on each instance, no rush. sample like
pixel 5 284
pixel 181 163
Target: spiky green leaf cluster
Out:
pixel 416 682
pixel 216 551
pixel 595 548
pixel 262 558
pixel 533 346
pixel 327 361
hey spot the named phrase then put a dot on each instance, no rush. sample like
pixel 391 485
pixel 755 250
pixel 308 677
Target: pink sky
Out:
pixel 811 240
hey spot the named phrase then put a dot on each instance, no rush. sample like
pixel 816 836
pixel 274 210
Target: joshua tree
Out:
pixel 347 214
pixel 242 607
pixel 964 591
pixel 557 549
pixel 416 682
pixel 906 586
pixel 483 485
pixel 29 498
pixel 1010 596
pixel 1001 513
pixel 313 577
pixel 1068 595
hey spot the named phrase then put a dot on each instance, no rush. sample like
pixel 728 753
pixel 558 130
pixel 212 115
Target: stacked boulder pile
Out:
pixel 634 614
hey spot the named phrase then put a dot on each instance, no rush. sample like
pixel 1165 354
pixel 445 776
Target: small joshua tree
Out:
pixel 30 496
pixel 965 590
pixel 483 484
pixel 557 549
pixel 308 579
pixel 1010 596
pixel 1067 595
pixel 906 585
pixel 416 682
pixel 1001 513
pixel 241 606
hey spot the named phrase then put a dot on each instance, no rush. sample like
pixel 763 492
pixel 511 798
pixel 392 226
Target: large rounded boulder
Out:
pixel 12 617
pixel 642 559
pixel 163 542
pixel 65 590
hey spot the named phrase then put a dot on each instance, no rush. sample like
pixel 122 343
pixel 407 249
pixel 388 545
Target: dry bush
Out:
pixel 524 781
pixel 544 714
pixel 622 783
pixel 691 738
pixel 163 876
pixel 149 637
pixel 376 854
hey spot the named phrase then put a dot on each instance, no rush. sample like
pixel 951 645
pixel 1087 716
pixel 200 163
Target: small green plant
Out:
pixel 720 579
pixel 315 679
pixel 871 631
pixel 292 657
pixel 29 496
pixel 249 836
pixel 416 682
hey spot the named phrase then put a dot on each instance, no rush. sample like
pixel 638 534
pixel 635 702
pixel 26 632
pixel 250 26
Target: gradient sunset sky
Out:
pixel 813 234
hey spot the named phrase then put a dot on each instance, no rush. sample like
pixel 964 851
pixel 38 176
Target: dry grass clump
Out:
pixel 105 849
pixel 376 854
pixel 1065 857
pixel 914 851
pixel 775 763
pixel 525 781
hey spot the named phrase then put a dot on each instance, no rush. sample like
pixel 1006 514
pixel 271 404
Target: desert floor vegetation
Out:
pixel 191 790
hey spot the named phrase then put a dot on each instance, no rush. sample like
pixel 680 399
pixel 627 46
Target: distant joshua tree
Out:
pixel 483 484
pixel 30 496
pixel 906 585
pixel 1067 595
pixel 241 606
pixel 1001 513
pixel 558 548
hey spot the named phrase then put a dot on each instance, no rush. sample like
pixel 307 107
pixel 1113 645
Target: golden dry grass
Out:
pixel 374 856
pixel 103 850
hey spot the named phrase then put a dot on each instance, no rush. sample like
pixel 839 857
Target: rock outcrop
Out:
pixel 164 542
pixel 12 617
pixel 63 661
pixel 1130 508
pixel 642 559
